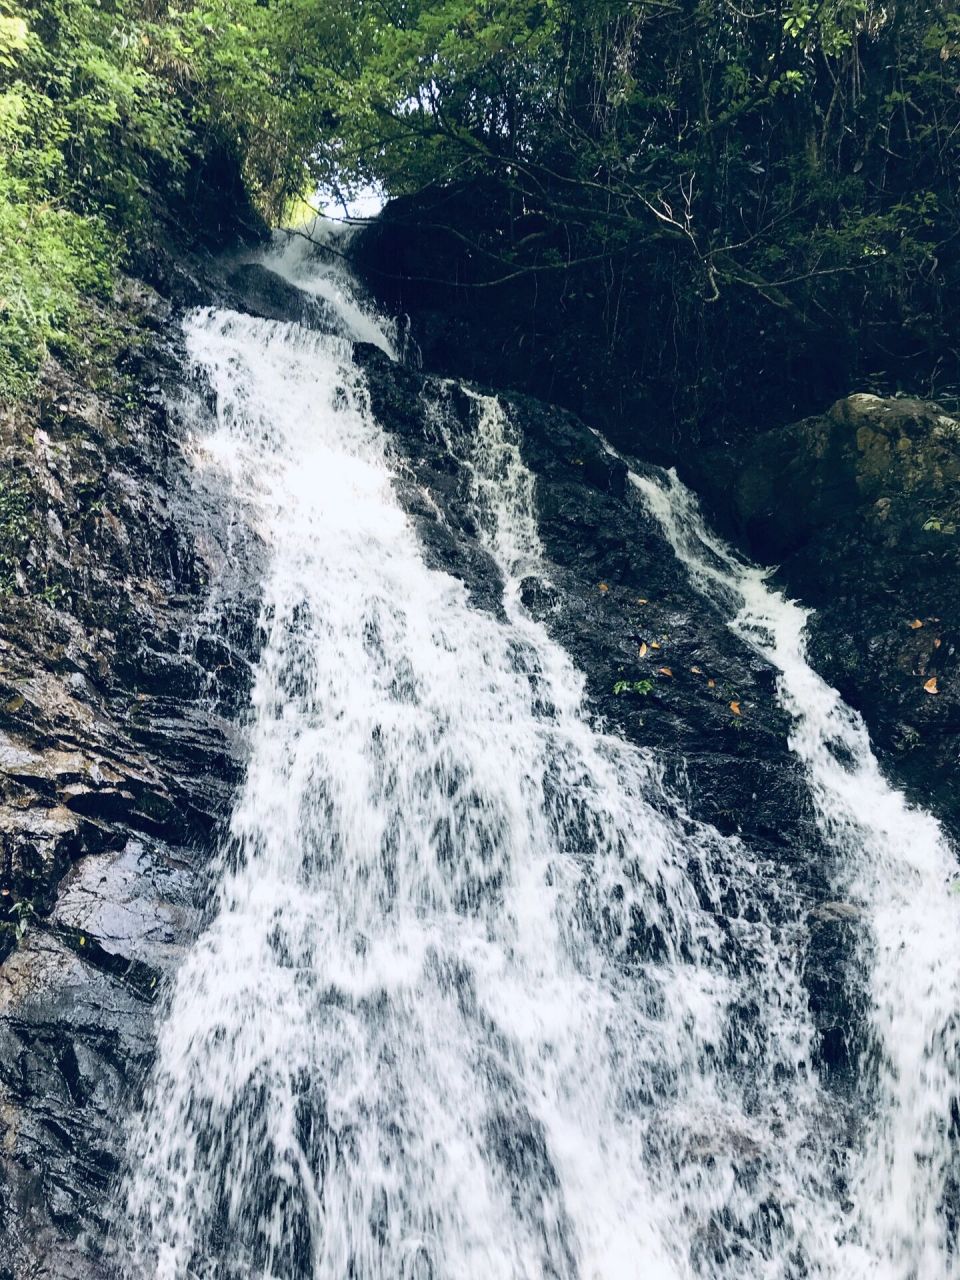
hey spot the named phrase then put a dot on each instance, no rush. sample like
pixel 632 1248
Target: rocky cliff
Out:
pixel 120 683
pixel 128 629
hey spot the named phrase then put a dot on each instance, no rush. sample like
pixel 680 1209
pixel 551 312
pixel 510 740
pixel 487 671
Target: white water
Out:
pixel 468 1006
pixel 897 867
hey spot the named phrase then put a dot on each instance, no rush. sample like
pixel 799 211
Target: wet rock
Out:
pixel 838 1002
pixel 870 536
pixel 74 1039
pixel 610 587
pixel 260 292
pixel 117 763
pixel 37 845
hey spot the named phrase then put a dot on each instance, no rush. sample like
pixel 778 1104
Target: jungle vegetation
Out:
pixel 704 173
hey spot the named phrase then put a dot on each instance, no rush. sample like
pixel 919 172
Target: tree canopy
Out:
pixel 801 156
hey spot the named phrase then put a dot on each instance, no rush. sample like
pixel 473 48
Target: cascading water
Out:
pixel 898 869
pixel 467 1004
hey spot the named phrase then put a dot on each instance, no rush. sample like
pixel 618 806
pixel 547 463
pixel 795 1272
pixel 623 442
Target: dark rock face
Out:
pixel 128 633
pixel 857 505
pixel 260 292
pixel 118 758
pixel 861 510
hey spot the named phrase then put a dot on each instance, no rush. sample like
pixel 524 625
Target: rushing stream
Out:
pixel 467 1005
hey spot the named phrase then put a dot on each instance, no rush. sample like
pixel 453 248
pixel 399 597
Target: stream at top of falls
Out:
pixel 467 1005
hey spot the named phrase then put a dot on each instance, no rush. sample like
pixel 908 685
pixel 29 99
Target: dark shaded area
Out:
pixel 858 506
pixel 629 344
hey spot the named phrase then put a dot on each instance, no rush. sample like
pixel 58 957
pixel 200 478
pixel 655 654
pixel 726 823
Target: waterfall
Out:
pixel 897 869
pixel 471 1001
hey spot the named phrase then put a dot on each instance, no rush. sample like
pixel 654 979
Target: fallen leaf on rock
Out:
pixel 654 644
pixel 604 587
pixel 916 624
pixel 937 643
pixel 696 671
pixel 665 671
pixel 641 600
pixel 642 650
pixel 735 708
pixel 931 685
pixel 711 684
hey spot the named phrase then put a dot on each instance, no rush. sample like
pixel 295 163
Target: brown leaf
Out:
pixel 642 651
pixel 735 708
pixel 696 671
pixel 916 624
pixel 711 684
pixel 937 643
pixel 641 600
pixel 931 685
pixel 604 587
pixel 665 671
pixel 654 644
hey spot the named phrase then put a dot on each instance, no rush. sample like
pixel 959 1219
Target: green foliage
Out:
pixel 55 261
pixel 937 525
pixel 794 162
pixel 642 687
pixel 16 527
pixel 78 111
pixel 102 102
pixel 23 913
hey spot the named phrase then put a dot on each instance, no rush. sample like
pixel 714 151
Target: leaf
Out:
pixel 642 651
pixel 654 644
pixel 604 586
pixel 696 671
pixel 83 941
pixel 665 671
pixel 711 684
pixel 916 624
pixel 735 708
pixel 937 643
pixel 930 686
pixel 641 600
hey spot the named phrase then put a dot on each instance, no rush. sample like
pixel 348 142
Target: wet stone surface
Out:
pixel 126 641
pixel 871 539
